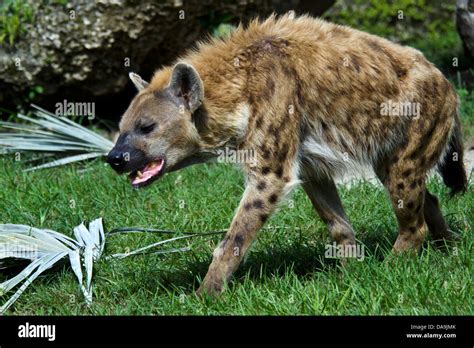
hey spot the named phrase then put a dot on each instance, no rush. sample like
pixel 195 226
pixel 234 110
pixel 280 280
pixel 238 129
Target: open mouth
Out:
pixel 149 173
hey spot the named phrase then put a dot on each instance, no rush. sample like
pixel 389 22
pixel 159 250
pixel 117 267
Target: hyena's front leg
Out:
pixel 259 200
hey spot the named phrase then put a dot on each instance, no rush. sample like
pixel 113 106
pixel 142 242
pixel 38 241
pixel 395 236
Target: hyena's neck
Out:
pixel 222 119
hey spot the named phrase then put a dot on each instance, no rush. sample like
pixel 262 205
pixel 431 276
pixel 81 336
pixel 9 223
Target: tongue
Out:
pixel 150 170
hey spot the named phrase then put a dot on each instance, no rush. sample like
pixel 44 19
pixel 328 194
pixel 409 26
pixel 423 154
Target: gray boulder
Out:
pixel 89 46
pixel 465 24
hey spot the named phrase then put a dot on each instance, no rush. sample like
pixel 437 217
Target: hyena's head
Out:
pixel 157 133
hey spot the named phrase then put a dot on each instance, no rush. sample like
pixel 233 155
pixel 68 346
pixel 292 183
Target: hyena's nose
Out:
pixel 116 159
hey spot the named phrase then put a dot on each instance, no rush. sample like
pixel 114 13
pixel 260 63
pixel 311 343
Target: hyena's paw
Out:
pixel 405 244
pixel 211 286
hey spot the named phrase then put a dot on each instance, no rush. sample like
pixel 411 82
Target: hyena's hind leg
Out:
pixel 405 184
pixel 323 194
pixel 404 173
pixel 432 214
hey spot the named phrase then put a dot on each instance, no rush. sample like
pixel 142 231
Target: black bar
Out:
pixel 257 330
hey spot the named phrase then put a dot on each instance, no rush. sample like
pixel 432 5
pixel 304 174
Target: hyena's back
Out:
pixel 350 97
pixel 343 86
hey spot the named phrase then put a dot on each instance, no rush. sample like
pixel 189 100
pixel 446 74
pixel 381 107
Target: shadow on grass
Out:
pixel 298 258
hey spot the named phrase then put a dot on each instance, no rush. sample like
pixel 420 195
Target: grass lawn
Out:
pixel 285 272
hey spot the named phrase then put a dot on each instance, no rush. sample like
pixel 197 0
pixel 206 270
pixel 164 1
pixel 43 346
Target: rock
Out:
pixel 86 48
pixel 465 24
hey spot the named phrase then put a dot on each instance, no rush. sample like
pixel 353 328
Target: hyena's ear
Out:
pixel 186 83
pixel 138 81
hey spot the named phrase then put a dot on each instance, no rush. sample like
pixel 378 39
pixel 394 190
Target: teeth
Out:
pixel 139 174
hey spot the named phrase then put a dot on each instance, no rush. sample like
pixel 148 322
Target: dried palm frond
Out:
pixel 45 248
pixel 48 133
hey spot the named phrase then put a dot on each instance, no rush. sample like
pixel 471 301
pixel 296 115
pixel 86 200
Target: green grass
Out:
pixel 13 14
pixel 285 272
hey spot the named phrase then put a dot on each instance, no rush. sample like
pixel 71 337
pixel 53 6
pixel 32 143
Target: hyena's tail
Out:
pixel 451 167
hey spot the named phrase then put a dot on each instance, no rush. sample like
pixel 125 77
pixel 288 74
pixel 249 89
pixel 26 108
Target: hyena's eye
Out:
pixel 146 129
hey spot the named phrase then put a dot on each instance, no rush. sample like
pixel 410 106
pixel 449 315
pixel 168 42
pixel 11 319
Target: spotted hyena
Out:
pixel 311 100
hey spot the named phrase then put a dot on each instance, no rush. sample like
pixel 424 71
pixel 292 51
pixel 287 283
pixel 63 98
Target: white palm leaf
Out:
pixel 41 265
pixel 45 248
pixel 48 133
